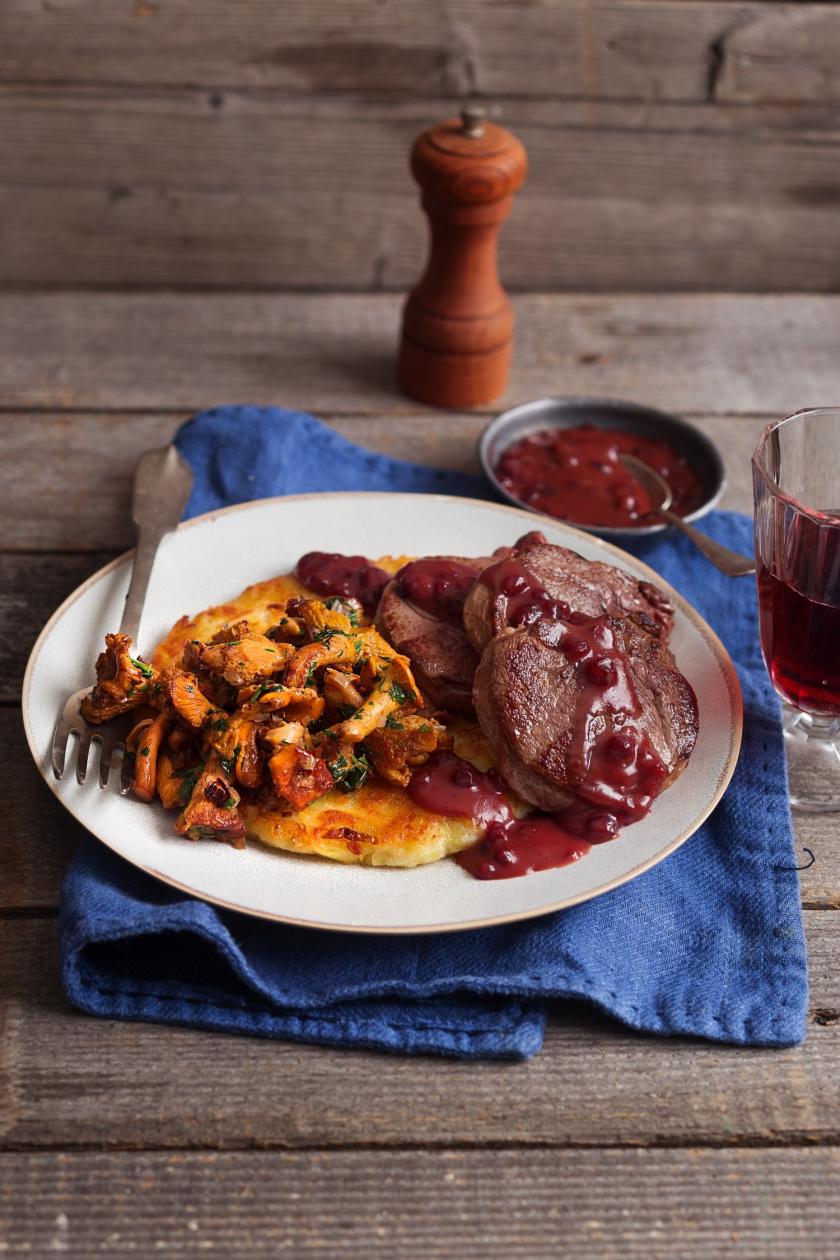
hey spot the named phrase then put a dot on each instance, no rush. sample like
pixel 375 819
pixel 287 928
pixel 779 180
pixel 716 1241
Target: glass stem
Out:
pixel 816 726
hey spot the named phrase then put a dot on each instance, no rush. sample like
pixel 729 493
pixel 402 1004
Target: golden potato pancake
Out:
pixel 377 824
pixel 260 605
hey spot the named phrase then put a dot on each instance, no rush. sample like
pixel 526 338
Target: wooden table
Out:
pixel 133 1139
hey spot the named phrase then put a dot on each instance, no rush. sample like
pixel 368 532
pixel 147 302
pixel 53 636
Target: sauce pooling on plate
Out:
pixel 574 474
pixel 510 846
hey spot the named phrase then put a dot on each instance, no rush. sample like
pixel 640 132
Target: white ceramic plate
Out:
pixel 212 558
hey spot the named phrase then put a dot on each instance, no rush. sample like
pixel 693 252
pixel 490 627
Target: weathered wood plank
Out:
pixel 31 588
pixel 645 50
pixel 65 1081
pixel 170 189
pixel 612 49
pixel 83 491
pixel 785 53
pixel 731 354
pixel 424 1205
pixel 36 847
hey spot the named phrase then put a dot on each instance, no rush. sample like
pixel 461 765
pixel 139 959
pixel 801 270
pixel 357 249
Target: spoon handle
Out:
pixel 729 562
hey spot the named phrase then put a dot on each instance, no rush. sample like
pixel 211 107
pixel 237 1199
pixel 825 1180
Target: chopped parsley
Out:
pixel 326 633
pixel 145 670
pixel 188 782
pixel 228 763
pixel 144 752
pixel 392 723
pixel 218 724
pixel 399 693
pixel 310 676
pixel 350 772
pixel 345 711
pixel 263 690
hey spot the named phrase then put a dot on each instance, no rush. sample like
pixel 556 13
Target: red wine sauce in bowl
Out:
pixel 575 475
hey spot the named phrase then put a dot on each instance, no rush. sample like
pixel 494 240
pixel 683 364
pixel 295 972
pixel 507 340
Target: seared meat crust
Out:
pixel 527 698
pixel 442 657
pixel 589 587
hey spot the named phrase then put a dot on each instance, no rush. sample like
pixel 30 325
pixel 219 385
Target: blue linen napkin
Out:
pixel 708 943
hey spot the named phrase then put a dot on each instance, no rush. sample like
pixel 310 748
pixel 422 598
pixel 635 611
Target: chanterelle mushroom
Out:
pixel 395 750
pixel 122 682
pixel 212 812
pixel 248 659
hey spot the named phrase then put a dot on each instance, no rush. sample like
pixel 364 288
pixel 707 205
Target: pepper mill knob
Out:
pixel 457 326
pixel 472 120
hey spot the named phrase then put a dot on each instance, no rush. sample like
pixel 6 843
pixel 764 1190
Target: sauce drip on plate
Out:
pixel 511 846
pixel 574 474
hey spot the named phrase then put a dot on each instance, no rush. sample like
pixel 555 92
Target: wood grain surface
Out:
pixel 335 355
pixel 66 1083
pixel 673 145
pixel 117 1137
pixel 190 188
pixel 429 1205
pixel 645 50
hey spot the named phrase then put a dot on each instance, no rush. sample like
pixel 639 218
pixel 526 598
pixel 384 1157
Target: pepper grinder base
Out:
pixel 453 380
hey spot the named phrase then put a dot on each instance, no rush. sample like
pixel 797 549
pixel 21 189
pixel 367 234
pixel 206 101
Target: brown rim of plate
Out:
pixel 720 653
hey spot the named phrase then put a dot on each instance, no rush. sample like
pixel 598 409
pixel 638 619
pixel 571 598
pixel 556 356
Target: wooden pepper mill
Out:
pixel 457 326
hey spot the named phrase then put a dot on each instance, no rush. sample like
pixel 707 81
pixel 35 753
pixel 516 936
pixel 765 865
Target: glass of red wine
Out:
pixel 796 480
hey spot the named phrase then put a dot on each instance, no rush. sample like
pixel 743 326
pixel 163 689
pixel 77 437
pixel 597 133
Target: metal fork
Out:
pixel 162 484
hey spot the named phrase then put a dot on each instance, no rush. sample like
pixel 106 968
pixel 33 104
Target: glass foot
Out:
pixel 813 753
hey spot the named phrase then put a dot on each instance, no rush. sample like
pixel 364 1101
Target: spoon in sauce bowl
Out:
pixel 729 562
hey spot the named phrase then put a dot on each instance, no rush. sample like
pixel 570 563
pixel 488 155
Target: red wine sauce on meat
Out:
pixel 328 573
pixel 575 474
pixel 437 586
pixel 617 768
pixel 524 600
pixel 614 770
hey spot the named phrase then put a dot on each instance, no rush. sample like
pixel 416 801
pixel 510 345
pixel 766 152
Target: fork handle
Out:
pixel 162 484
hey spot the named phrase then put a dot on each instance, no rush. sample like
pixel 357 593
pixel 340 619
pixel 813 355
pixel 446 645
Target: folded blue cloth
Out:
pixel 708 943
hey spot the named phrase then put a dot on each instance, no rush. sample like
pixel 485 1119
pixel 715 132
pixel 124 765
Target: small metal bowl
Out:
pixel 604 413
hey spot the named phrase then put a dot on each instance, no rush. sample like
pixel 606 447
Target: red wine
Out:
pixel 800 638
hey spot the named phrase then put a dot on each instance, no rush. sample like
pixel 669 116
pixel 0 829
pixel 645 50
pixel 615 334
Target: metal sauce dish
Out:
pixel 604 413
